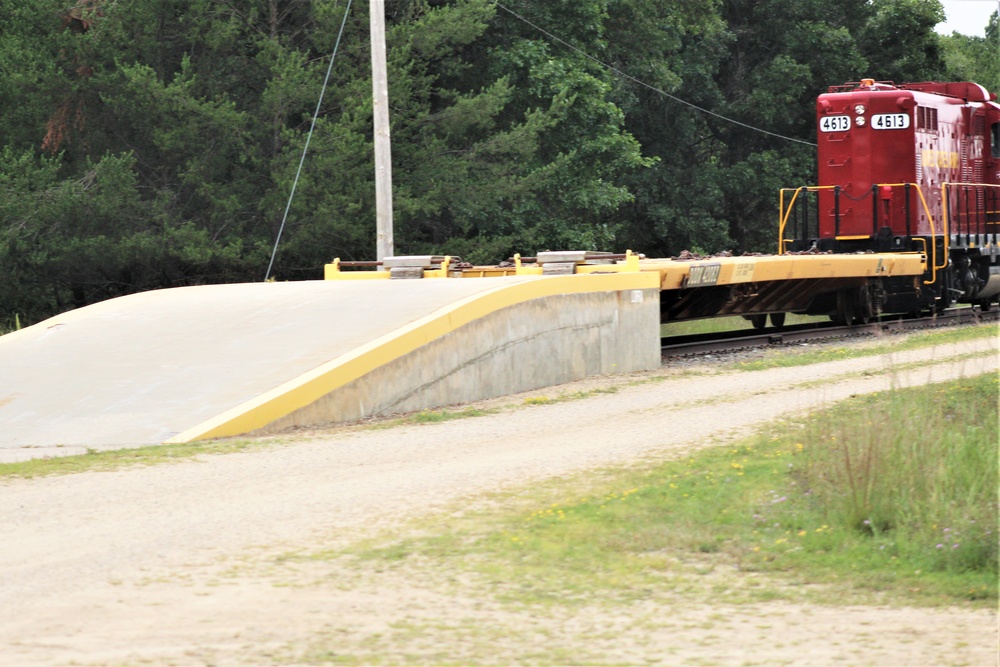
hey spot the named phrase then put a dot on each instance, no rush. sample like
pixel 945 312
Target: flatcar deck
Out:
pixel 695 287
pixel 674 273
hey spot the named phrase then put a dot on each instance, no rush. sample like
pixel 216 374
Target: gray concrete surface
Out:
pixel 140 369
pixel 526 346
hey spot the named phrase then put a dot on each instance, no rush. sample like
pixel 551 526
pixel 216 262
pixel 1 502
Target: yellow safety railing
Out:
pixel 791 205
pixel 785 213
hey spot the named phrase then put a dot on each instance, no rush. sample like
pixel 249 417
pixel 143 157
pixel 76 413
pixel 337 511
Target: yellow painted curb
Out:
pixel 310 387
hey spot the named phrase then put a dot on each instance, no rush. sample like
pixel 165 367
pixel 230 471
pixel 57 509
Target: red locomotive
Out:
pixel 913 167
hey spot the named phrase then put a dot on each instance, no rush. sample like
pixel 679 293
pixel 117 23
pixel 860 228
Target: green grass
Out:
pixel 568 396
pixel 912 517
pixel 434 416
pixel 719 324
pixel 922 488
pixel 787 357
pixel 124 458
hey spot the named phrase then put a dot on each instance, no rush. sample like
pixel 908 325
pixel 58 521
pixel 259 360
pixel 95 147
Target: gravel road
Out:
pixel 177 564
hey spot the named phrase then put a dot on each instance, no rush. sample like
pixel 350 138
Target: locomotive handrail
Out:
pixel 784 214
pixel 930 218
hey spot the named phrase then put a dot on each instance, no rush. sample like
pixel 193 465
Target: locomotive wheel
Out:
pixel 758 321
pixel 947 282
pixel 940 305
pixel 777 320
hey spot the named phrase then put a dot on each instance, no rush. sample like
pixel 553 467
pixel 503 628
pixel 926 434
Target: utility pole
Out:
pixel 383 152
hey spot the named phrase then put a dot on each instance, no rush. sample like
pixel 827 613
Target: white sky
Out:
pixel 968 17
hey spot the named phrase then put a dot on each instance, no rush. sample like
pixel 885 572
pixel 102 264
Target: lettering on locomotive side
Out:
pixel 943 159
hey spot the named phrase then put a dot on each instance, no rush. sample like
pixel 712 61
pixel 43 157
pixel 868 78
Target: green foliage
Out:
pixel 915 58
pixel 67 243
pixel 975 59
pixel 152 144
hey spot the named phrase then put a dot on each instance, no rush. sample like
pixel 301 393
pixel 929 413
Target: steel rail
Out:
pixel 728 341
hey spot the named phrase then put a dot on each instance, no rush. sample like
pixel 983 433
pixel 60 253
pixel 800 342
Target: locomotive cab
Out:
pixel 913 167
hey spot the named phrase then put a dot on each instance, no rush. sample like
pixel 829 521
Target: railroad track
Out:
pixel 728 341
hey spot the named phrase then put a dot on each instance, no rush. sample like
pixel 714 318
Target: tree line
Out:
pixel 153 143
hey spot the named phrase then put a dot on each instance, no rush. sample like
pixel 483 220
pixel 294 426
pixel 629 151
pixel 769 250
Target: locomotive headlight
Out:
pixel 859 121
pixel 859 109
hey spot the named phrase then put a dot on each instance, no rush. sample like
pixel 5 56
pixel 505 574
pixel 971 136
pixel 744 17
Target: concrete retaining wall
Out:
pixel 526 346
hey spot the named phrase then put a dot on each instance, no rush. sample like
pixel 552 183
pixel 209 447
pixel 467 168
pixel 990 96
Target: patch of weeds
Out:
pixel 913 472
pixel 569 396
pixel 118 459
pixel 538 400
pixel 890 497
pixel 430 417
pixel 444 415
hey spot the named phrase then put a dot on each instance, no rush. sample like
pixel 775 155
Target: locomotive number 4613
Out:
pixel 891 121
pixel 835 123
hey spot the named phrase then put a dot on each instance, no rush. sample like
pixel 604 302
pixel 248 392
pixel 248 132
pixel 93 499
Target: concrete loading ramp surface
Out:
pixel 197 362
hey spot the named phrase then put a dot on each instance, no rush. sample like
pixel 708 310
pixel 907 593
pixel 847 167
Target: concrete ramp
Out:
pixel 201 362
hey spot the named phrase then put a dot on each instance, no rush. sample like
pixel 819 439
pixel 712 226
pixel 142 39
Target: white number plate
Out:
pixel 835 123
pixel 891 121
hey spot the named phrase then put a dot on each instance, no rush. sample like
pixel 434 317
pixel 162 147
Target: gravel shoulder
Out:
pixel 181 564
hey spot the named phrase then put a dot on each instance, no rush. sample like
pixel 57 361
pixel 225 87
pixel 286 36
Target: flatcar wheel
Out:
pixel 845 307
pixel 758 321
pixel 777 320
pixel 865 307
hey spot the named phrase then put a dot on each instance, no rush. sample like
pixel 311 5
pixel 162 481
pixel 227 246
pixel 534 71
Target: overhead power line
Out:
pixel 305 148
pixel 628 76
